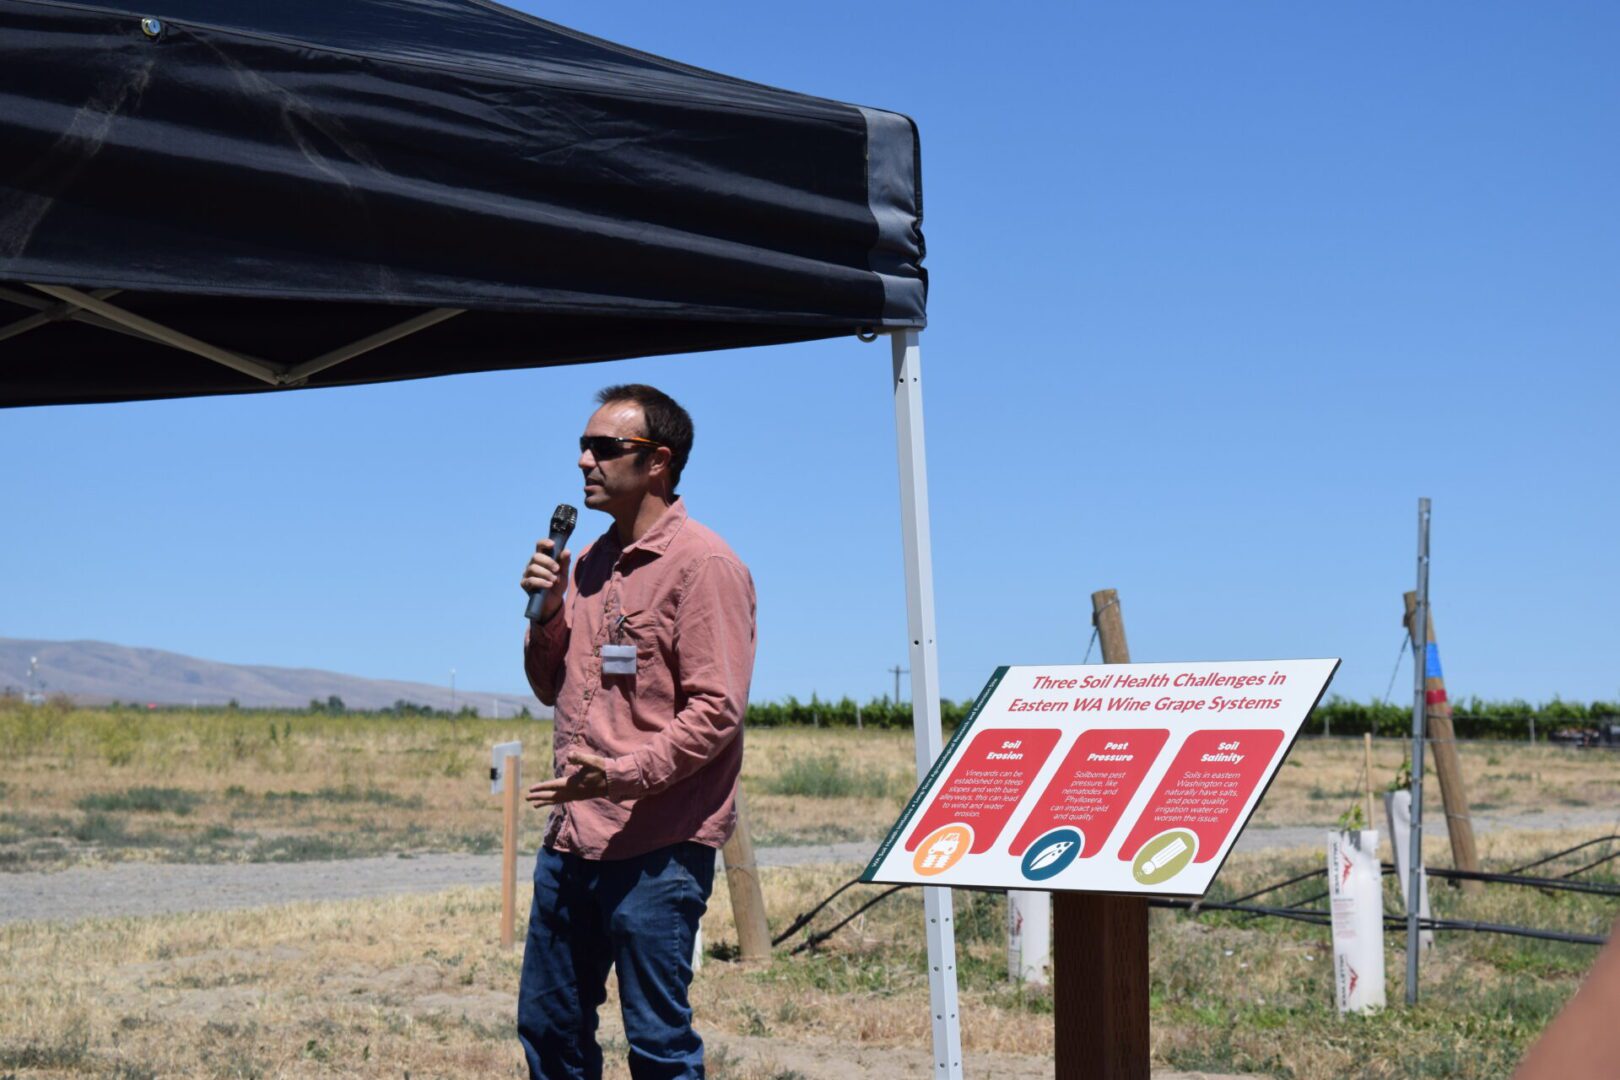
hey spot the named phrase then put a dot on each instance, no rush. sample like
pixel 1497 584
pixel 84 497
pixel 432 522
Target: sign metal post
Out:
pixel 1414 839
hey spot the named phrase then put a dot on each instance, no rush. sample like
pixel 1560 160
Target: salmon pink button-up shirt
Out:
pixel 672 732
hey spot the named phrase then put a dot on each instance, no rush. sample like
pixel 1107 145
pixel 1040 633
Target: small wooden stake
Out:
pixel 1367 746
pixel 747 901
pixel 512 792
pixel 1100 949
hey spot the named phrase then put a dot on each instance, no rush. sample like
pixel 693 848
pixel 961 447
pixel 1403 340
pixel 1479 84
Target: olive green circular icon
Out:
pixel 1164 856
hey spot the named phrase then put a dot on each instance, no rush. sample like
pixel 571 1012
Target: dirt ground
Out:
pixel 316 899
pixel 382 986
pixel 416 986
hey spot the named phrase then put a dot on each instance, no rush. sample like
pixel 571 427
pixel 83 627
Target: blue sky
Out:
pixel 1217 292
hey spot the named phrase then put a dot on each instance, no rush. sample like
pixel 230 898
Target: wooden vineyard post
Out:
pixel 747 901
pixel 511 800
pixel 1100 948
pixel 1443 742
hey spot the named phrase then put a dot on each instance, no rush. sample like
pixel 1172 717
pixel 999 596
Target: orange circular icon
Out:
pixel 942 850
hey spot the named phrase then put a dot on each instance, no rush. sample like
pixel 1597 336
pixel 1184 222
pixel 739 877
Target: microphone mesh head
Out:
pixel 563 518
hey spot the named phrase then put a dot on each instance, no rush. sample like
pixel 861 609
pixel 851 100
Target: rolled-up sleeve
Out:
pixel 545 644
pixel 714 654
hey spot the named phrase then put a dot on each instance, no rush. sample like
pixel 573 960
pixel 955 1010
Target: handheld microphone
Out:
pixel 562 527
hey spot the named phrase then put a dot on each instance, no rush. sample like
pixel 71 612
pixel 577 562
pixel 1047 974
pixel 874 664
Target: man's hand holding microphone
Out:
pixel 545 579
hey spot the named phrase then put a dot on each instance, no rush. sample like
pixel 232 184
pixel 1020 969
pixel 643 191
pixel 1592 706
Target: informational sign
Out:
pixel 1123 778
pixel 497 764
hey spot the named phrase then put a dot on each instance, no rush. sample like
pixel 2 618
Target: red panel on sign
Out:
pixel 987 783
pixel 1093 786
pixel 1207 785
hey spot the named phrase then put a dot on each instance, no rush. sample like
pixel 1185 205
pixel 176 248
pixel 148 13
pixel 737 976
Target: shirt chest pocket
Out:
pixel 638 631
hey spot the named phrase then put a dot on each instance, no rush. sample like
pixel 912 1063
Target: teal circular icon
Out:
pixel 1050 855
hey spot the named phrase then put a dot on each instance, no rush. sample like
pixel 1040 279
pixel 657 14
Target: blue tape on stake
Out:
pixel 1431 662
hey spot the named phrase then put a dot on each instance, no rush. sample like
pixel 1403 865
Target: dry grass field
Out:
pixel 416 985
pixel 92 786
pixel 89 786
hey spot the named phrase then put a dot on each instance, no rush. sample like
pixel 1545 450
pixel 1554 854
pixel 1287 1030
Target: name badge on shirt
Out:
pixel 618 659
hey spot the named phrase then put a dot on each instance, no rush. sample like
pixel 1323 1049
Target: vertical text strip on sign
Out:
pixel 1206 788
pixel 989 780
pixel 1092 787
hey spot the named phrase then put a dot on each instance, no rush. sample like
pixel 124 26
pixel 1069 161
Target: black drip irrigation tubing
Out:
pixel 1321 918
pixel 1499 928
pixel 1570 851
pixel 804 919
pixel 1558 884
pixel 1298 912
pixel 816 939
pixel 1318 918
pixel 1281 885
pixel 1562 883
pixel 1592 865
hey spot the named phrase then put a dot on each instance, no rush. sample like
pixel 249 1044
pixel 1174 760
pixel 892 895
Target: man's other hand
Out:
pixel 588 781
pixel 547 574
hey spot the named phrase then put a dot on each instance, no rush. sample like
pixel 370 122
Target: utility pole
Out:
pixel 1100 948
pixel 1443 742
pixel 898 671
pixel 452 691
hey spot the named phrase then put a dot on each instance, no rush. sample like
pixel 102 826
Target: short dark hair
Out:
pixel 667 423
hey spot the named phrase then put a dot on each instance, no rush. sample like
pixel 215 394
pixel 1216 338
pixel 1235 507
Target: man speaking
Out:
pixel 646 661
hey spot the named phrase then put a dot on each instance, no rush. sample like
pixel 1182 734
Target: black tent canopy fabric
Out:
pixel 228 196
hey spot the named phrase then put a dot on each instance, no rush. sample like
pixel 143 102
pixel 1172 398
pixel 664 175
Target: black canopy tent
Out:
pixel 225 196
pixel 324 193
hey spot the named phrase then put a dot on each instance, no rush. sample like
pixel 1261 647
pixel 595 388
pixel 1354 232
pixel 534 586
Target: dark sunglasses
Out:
pixel 608 447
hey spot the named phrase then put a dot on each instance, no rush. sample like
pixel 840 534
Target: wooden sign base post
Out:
pixel 1100 949
pixel 1100 986
pixel 511 799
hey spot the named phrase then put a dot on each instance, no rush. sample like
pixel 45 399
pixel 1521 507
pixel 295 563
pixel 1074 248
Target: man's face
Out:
pixel 617 484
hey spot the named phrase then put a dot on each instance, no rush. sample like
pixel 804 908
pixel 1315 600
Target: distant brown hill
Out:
pixel 96 672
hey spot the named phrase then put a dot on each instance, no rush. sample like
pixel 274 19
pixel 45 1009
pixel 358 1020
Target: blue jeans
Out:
pixel 639 915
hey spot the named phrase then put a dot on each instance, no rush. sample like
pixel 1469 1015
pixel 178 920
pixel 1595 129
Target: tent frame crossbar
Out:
pixel 94 309
pixel 366 344
pixel 46 313
pixel 246 365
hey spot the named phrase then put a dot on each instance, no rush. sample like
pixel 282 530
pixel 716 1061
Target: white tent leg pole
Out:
pixel 940 926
